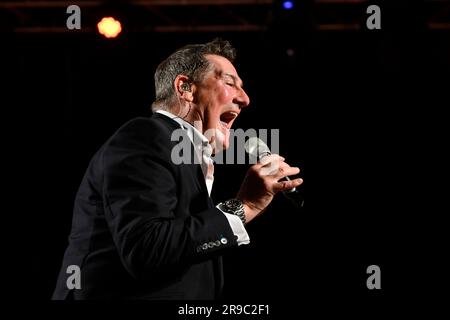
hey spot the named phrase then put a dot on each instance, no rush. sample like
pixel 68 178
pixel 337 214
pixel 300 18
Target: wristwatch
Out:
pixel 234 206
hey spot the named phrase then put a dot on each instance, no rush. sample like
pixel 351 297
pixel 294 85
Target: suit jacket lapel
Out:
pixel 194 167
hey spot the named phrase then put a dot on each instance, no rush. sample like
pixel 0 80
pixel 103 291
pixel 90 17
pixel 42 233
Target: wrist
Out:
pixel 250 212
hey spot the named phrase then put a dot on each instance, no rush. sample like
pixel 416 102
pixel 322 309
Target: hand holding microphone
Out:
pixel 266 178
pixel 257 148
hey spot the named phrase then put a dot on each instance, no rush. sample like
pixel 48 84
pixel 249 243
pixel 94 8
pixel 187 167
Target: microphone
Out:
pixel 257 148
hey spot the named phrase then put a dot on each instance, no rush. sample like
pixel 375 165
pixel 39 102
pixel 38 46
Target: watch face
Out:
pixel 236 207
pixel 233 204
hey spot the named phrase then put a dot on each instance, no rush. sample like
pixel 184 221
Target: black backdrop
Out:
pixel 359 111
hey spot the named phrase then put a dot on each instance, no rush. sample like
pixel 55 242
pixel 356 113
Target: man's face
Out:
pixel 219 99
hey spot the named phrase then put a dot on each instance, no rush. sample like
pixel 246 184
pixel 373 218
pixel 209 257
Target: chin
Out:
pixel 219 137
pixel 225 145
pixel 221 140
pixel 220 145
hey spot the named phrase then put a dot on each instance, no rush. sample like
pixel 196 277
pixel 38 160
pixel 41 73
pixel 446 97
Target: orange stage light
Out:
pixel 109 27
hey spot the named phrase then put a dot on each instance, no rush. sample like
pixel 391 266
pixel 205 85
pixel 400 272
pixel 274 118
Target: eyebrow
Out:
pixel 235 79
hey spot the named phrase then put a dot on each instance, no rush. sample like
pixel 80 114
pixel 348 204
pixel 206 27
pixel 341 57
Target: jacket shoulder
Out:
pixel 145 132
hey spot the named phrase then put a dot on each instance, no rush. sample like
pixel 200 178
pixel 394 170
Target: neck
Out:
pixel 191 115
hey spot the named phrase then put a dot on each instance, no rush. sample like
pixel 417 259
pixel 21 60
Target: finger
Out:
pixel 275 169
pixel 286 185
pixel 265 160
pixel 285 171
pixel 270 169
pixel 268 160
pixel 271 158
pixel 277 156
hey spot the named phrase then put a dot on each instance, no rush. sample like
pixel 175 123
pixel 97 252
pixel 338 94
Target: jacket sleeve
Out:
pixel 140 196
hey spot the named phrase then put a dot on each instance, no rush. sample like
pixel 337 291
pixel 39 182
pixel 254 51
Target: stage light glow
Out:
pixel 288 5
pixel 109 27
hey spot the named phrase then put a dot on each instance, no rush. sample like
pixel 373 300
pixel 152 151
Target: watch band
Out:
pixel 234 206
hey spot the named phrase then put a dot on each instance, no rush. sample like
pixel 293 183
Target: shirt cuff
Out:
pixel 237 226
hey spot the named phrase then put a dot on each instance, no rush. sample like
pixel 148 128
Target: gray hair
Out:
pixel 189 61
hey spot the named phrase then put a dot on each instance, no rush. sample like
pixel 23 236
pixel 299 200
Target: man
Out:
pixel 144 225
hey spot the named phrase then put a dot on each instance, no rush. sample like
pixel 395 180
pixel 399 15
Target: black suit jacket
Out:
pixel 144 227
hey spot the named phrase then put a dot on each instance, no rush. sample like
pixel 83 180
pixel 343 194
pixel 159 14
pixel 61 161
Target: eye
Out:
pixel 230 84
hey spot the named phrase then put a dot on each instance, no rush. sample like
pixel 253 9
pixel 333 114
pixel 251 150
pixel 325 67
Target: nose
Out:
pixel 242 99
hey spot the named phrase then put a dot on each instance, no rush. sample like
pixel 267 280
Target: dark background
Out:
pixel 359 111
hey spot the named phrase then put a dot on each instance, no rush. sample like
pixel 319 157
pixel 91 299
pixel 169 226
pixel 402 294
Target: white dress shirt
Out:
pixel 203 151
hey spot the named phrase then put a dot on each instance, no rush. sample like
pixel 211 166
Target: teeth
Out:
pixel 234 114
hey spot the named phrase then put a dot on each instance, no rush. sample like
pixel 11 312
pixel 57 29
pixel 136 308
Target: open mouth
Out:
pixel 226 119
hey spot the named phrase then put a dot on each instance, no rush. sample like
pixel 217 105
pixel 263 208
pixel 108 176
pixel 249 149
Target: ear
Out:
pixel 184 87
